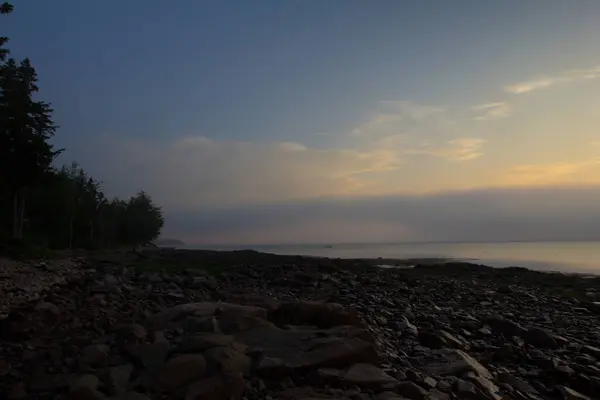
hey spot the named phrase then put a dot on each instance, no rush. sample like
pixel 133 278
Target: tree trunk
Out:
pixel 71 230
pixel 16 233
pixel 91 231
pixel 22 214
pixel 18 214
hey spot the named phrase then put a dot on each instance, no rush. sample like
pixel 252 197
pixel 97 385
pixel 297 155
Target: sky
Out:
pixel 306 121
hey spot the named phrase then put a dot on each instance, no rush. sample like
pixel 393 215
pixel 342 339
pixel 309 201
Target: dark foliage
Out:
pixel 58 208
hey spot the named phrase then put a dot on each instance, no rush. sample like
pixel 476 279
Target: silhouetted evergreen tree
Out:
pixel 58 208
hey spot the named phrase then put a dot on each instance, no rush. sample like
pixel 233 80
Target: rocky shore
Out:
pixel 244 325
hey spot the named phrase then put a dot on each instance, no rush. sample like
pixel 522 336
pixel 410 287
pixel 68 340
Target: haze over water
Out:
pixel 581 257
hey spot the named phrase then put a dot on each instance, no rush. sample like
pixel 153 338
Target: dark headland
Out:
pixel 177 324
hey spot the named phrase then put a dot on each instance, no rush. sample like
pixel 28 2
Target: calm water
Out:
pixel 548 256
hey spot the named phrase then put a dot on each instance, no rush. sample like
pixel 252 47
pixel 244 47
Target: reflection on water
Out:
pixel 547 256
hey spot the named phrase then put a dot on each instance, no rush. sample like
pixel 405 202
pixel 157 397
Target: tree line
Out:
pixel 55 207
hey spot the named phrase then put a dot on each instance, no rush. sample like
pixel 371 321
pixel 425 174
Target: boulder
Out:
pixel 362 375
pixel 170 317
pixel 217 387
pixel 312 313
pixel 181 370
pixel 454 362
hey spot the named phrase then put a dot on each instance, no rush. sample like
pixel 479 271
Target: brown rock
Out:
pixel 485 385
pixel 217 387
pixel 231 322
pixel 505 326
pixel 4 367
pixel 435 394
pixel 85 387
pixel 50 312
pixel 363 375
pixel 17 392
pixel 40 381
pixel 570 394
pixel 171 316
pixel 411 390
pixel 273 367
pixel 118 378
pixel 451 340
pixel 591 350
pixel 340 352
pixel 130 396
pixel 312 313
pixel 516 383
pixel 130 334
pixel 227 359
pixel 152 356
pixel 201 342
pixel 541 338
pixel 181 370
pixel 388 396
pixel 94 355
pixel 456 362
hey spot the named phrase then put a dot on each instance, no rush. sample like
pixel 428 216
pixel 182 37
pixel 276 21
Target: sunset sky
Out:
pixel 271 121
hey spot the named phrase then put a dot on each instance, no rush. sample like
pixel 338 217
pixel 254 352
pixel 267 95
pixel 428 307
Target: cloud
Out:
pixel 292 146
pixel 459 149
pixel 544 174
pixel 550 213
pixel 544 82
pixel 196 171
pixel 492 111
pixel 397 118
pixel 412 110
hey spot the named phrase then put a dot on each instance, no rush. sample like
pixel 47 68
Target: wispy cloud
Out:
pixel 492 110
pixel 458 149
pixel 413 110
pixel 235 172
pixel 547 81
pixel 397 118
pixel 544 174
pixel 292 146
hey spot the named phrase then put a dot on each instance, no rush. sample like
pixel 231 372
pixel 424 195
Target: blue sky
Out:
pixel 243 104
